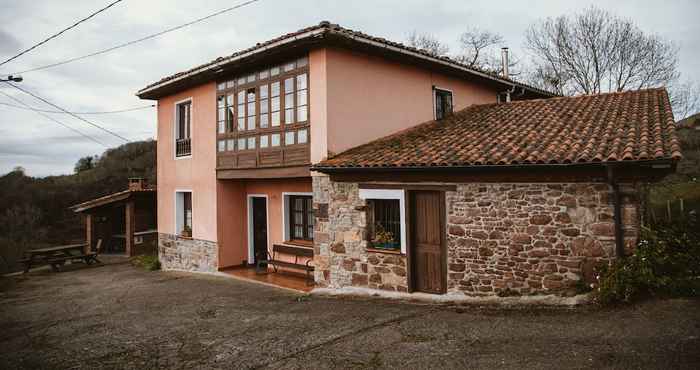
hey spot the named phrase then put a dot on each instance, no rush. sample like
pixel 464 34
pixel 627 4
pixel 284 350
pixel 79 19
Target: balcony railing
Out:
pixel 183 147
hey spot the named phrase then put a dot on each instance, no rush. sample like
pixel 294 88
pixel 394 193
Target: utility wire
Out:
pixel 59 33
pixel 56 121
pixel 119 46
pixel 58 111
pixel 65 111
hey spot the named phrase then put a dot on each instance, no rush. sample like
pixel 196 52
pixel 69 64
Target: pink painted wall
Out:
pixel 196 173
pixel 233 212
pixel 369 97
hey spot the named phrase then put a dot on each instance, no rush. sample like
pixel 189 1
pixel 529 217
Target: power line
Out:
pixel 65 111
pixel 119 46
pixel 56 121
pixel 60 32
pixel 58 111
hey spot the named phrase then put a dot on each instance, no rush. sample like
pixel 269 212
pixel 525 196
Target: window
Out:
pixel 221 116
pixel 222 145
pixel 241 143
pixel 386 218
pixel 289 138
pixel 250 112
pixel 443 103
pixel 302 98
pixel 289 101
pixel 275 139
pixel 183 216
pixel 251 142
pixel 264 123
pixel 241 110
pixel 183 145
pixel 264 141
pixel 275 104
pixel 302 136
pixel 301 216
pixel 384 223
pixel 230 144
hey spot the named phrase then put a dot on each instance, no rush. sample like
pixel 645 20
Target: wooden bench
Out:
pixel 297 252
pixel 87 258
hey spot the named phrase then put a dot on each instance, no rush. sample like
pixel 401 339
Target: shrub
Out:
pixel 666 262
pixel 149 262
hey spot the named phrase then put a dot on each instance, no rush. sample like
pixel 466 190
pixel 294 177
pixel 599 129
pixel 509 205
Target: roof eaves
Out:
pixel 226 60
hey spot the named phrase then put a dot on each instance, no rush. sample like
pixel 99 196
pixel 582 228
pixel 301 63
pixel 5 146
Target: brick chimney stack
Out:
pixel 137 183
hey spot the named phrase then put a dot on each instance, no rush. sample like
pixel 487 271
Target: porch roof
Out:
pixel 108 199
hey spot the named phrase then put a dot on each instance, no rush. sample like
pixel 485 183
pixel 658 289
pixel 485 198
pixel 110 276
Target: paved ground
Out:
pixel 117 316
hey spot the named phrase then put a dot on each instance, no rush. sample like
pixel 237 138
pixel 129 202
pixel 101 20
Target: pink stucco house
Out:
pixel 309 143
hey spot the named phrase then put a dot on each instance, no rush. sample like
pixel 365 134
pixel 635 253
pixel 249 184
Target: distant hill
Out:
pixel 34 211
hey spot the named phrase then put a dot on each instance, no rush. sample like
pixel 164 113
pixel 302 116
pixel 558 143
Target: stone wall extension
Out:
pixel 502 239
pixel 176 253
pixel 531 238
pixel 340 242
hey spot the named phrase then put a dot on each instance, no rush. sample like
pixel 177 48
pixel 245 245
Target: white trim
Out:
pixel 175 104
pixel 435 88
pixel 178 190
pixel 285 210
pixel 399 194
pixel 249 201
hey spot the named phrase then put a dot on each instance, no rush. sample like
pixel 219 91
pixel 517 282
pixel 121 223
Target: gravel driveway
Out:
pixel 117 316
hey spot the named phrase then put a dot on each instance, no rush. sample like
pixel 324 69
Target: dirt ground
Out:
pixel 117 316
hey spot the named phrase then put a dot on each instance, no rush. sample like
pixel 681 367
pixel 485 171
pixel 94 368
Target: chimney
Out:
pixel 137 183
pixel 504 62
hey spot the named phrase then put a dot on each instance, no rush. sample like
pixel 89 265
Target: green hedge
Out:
pixel 665 263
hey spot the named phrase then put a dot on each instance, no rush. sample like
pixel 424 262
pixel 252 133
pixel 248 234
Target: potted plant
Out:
pixel 186 231
pixel 383 239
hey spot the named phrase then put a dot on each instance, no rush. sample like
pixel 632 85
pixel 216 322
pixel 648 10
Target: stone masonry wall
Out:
pixel 501 238
pixel 340 242
pixel 176 253
pixel 531 238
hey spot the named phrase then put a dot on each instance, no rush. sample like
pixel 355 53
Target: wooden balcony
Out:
pixel 277 162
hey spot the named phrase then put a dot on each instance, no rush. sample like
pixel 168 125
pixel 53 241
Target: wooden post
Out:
pixel 88 233
pixel 129 228
pixel 668 209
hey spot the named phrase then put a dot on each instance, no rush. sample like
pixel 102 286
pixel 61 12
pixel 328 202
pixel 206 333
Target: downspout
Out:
pixel 617 210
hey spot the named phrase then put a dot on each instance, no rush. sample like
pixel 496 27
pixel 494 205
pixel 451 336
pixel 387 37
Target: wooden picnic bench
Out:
pixel 297 252
pixel 57 256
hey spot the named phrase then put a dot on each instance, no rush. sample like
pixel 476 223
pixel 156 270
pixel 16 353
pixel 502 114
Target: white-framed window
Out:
pixel 388 216
pixel 183 213
pixel 183 128
pixel 443 103
pixel 297 216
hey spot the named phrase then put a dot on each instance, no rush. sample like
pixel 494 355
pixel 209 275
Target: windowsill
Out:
pixel 184 237
pixel 300 243
pixel 177 157
pixel 387 251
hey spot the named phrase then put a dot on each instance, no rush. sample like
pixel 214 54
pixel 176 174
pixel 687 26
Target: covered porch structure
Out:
pixel 125 221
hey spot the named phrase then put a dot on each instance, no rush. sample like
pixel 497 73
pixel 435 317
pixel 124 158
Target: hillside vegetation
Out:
pixel 34 211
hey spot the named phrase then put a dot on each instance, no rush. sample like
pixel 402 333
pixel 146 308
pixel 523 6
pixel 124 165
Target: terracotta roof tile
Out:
pixel 626 126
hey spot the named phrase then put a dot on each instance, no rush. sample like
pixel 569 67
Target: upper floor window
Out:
pixel 270 107
pixel 183 119
pixel 443 103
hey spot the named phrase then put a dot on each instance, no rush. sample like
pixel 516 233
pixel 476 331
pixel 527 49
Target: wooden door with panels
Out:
pixel 428 255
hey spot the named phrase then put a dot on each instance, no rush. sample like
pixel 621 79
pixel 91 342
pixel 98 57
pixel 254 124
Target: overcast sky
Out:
pixel 109 81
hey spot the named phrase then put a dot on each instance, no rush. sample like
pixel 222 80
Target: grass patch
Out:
pixel 148 262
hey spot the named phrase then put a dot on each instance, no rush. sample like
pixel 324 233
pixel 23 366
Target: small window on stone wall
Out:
pixel 384 224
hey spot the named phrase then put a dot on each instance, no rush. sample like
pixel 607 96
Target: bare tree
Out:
pixel 428 43
pixel 595 51
pixel 481 49
pixel 685 99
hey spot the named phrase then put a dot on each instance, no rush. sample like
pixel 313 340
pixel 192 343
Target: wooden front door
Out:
pixel 428 258
pixel 259 228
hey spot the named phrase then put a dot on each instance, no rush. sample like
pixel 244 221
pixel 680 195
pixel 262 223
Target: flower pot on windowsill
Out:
pixel 186 233
pixel 387 245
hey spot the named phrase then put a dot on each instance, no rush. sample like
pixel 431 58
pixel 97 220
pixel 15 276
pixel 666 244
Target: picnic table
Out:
pixel 57 256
